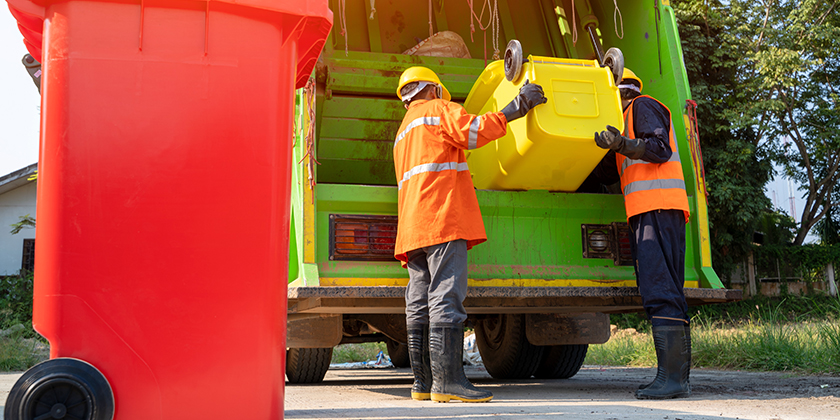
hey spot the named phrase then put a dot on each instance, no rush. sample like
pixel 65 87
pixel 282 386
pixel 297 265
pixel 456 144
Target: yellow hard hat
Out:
pixel 421 74
pixel 628 74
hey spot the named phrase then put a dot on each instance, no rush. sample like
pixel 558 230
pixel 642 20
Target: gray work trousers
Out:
pixel 437 284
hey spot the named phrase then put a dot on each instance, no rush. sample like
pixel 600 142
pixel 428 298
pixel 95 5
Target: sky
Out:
pixel 19 100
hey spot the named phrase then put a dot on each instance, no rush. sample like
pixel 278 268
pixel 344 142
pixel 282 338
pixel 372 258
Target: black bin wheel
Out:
pixel 63 388
pixel 513 60
pixel 614 59
pixel 398 352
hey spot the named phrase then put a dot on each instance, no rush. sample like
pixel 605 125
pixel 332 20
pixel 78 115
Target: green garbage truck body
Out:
pixel 555 263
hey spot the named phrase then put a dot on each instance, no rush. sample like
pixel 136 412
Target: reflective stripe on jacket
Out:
pixel 652 186
pixel 437 201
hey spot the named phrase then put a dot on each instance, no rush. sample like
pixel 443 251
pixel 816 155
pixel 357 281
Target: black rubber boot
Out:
pixel 688 357
pixel 446 345
pixel 660 371
pixel 418 354
pixel 673 354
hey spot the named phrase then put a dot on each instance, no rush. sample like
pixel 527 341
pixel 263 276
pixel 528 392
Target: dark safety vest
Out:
pixel 651 186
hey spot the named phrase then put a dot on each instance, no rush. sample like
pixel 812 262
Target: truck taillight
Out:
pixel 362 237
pixel 624 252
pixel 608 241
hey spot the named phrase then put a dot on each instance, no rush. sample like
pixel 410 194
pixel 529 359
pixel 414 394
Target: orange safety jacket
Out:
pixel 437 201
pixel 651 186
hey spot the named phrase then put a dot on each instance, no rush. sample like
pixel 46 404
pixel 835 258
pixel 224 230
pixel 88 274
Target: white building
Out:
pixel 17 198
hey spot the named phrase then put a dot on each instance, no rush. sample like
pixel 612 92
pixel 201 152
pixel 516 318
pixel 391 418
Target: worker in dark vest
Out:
pixel 648 164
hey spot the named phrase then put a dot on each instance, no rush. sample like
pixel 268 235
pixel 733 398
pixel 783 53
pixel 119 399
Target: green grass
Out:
pixel 347 353
pixel 19 352
pixel 789 308
pixel 625 348
pixel 792 308
pixel 811 347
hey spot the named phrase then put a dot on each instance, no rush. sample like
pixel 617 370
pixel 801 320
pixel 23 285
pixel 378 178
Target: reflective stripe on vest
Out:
pixel 420 122
pixel 433 167
pixel 655 184
pixel 473 144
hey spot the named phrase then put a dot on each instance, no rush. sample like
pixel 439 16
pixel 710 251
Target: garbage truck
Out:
pixel 558 260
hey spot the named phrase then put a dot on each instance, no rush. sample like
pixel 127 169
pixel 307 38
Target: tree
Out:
pixel 25 222
pixel 777 228
pixel 736 168
pixel 828 228
pixel 789 75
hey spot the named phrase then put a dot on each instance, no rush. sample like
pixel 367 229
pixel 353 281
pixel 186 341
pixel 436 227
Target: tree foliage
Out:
pixel 828 228
pixel 804 261
pixel 764 75
pixel 736 168
pixel 776 228
pixel 24 223
pixel 787 79
pixel 16 300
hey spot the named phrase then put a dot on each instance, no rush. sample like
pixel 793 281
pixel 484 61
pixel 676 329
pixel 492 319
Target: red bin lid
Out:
pixel 311 21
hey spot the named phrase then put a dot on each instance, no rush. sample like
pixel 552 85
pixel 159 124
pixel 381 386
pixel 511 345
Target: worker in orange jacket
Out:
pixel 647 161
pixel 439 220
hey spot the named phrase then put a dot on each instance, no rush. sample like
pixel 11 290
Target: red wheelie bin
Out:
pixel 163 204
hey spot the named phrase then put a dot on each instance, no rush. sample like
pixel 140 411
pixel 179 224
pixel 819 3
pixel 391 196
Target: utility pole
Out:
pixel 792 199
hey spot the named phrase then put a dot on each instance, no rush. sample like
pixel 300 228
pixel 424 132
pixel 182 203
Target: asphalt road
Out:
pixel 594 393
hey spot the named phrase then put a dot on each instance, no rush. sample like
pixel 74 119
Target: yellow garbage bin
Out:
pixel 552 148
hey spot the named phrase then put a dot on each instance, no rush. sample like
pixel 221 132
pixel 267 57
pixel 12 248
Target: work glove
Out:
pixel 612 139
pixel 530 95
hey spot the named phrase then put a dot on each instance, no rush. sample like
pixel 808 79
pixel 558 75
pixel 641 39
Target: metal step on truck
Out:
pixel 557 261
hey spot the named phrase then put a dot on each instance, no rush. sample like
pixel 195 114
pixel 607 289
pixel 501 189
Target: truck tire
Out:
pixel 505 350
pixel 398 353
pixel 307 366
pixel 561 362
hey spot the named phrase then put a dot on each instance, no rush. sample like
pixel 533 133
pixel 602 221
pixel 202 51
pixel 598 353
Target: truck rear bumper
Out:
pixel 491 300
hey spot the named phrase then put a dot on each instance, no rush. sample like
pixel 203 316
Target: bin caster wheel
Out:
pixel 61 389
pixel 513 60
pixel 614 59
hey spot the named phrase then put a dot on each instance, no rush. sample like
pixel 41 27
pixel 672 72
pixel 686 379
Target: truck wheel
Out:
pixel 505 350
pixel 307 366
pixel 561 362
pixel 61 388
pixel 398 353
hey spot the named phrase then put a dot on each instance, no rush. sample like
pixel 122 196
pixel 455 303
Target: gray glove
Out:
pixel 530 95
pixel 612 139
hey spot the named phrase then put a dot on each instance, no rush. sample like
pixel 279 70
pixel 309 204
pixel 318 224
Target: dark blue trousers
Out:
pixel 658 244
